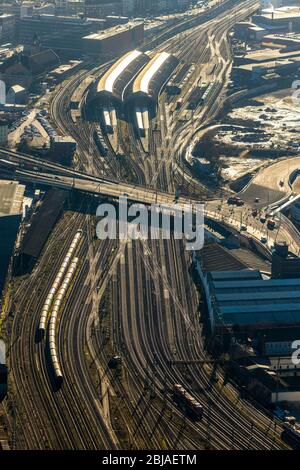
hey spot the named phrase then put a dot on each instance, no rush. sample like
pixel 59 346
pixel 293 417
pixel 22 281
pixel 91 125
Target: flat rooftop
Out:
pixel 267 55
pixel 267 65
pixel 288 37
pixel 281 13
pixel 11 197
pixel 100 35
pixel 66 67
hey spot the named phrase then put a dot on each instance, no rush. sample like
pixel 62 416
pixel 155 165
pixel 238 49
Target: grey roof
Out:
pixel 229 275
pixel 245 298
pixel 216 258
pixel 11 197
pixel 43 222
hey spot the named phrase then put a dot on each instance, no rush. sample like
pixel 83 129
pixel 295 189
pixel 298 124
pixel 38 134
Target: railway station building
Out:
pixel 148 85
pixel 113 86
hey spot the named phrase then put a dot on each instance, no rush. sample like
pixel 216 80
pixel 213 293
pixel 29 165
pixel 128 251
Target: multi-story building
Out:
pixel 128 7
pixel 96 9
pixel 7 28
pixel 56 32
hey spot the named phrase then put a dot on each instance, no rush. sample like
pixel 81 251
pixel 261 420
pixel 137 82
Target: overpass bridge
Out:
pixel 111 189
pixel 69 179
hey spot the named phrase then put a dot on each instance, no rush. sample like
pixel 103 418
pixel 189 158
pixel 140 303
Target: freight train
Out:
pixel 189 404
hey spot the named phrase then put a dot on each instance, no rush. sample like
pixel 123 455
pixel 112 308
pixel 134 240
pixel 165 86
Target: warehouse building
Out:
pixel 114 41
pixel 246 299
pixel 262 56
pixel 11 200
pixel 290 41
pixel 41 226
pixel 253 72
pixel 237 295
pixel 248 31
pixel 279 19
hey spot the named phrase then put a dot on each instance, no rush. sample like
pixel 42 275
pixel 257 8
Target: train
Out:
pixel 100 142
pixel 53 319
pixel 8 165
pixel 292 432
pixel 142 121
pixel 109 120
pixel 57 282
pixel 208 92
pixel 185 400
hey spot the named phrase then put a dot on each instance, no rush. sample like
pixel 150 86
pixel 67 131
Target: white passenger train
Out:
pixel 57 283
pixel 54 316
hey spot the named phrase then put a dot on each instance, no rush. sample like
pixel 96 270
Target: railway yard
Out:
pixel 100 331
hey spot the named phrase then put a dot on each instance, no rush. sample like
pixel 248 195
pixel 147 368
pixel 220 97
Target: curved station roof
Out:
pixel 116 80
pixel 154 75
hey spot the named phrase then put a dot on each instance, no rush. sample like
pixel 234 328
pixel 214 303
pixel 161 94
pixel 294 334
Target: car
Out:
pixel 263 239
pixel 235 200
pixel 243 228
pixel 256 200
pixel 254 212
pixel 262 219
pixel 271 224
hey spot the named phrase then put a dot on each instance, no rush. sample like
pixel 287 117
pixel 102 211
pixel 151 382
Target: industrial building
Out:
pixel 41 226
pixel 248 31
pixel 288 40
pixel 237 296
pixel 11 200
pixel 246 299
pixel 279 19
pixel 62 149
pixel 149 83
pixel 115 82
pixel 114 41
pixel 278 68
pixel 262 56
